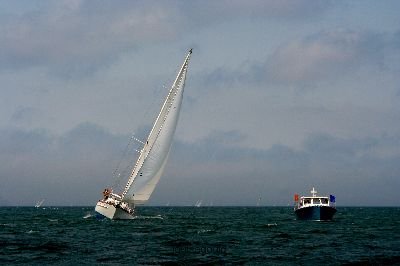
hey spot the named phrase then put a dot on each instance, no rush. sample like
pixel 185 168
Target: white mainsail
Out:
pixel 154 154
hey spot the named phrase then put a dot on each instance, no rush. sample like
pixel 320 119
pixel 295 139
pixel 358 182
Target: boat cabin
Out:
pixel 314 200
pixel 304 201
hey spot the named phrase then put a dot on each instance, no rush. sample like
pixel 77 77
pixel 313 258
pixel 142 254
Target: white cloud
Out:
pixel 324 56
pixel 81 36
pixel 74 38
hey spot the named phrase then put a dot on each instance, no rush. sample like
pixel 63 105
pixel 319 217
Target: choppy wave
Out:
pixel 190 236
pixel 148 217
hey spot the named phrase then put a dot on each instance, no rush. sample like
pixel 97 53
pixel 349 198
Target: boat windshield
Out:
pixel 307 201
pixel 317 201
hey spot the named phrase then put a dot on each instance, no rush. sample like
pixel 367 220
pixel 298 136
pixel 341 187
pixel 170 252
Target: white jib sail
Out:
pixel 153 157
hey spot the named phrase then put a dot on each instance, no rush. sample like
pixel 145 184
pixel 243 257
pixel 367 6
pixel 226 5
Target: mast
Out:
pixel 154 154
pixel 313 192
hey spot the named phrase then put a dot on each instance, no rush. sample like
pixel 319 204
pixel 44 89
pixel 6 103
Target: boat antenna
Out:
pixel 314 192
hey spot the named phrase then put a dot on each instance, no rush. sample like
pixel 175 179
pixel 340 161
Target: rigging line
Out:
pixel 124 172
pixel 159 90
pixel 118 177
pixel 145 117
pixel 169 101
pixel 138 140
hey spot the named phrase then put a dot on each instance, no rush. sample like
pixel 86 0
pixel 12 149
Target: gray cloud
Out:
pixel 81 36
pixel 76 38
pixel 266 77
pixel 230 175
pixel 74 167
pixel 326 55
pixel 64 169
pixel 25 115
pixel 285 9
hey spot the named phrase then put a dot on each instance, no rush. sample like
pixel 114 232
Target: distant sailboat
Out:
pixel 198 203
pixel 152 159
pixel 39 203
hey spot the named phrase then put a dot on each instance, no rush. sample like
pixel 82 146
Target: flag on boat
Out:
pixel 296 197
pixel 332 198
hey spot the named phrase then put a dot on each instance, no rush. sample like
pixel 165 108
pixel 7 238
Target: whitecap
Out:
pixel 88 215
pixel 149 217
pixel 203 231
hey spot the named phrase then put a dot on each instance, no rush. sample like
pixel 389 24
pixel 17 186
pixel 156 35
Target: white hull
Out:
pixel 111 212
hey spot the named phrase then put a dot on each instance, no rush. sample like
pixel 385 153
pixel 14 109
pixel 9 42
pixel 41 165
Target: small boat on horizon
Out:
pixel 39 203
pixel 199 203
pixel 318 208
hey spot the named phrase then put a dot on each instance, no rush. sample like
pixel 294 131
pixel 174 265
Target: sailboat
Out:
pixel 39 203
pixel 198 203
pixel 152 159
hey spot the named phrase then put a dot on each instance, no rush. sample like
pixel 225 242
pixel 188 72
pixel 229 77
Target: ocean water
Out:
pixel 198 236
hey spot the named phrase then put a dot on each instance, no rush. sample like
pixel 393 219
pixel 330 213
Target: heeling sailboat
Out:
pixel 152 158
pixel 39 203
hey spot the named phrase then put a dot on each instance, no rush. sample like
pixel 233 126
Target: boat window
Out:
pixel 316 201
pixel 307 201
pixel 324 201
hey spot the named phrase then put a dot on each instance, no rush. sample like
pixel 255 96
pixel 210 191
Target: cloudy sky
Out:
pixel 281 96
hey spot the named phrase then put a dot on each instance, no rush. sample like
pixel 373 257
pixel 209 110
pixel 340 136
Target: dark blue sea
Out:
pixel 198 236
